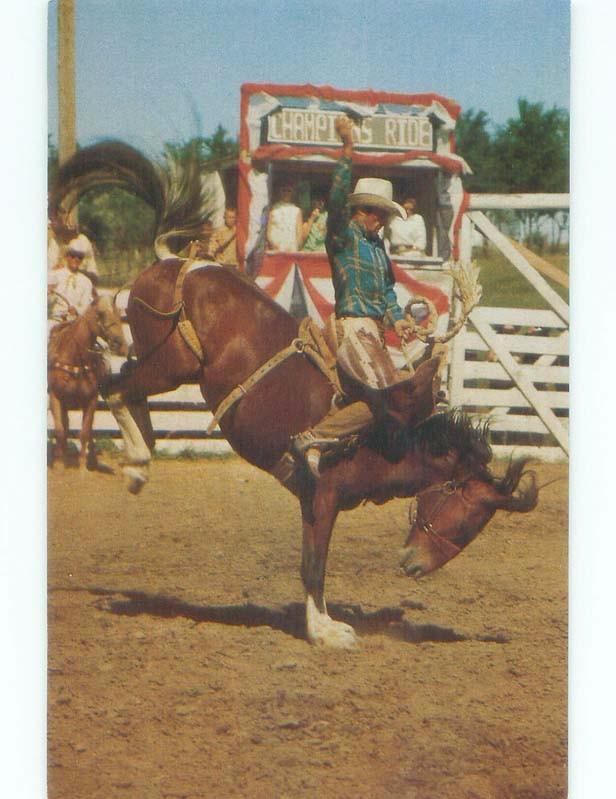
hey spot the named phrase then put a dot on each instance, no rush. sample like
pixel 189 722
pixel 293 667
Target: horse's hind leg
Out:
pixel 87 454
pixel 60 429
pixel 318 517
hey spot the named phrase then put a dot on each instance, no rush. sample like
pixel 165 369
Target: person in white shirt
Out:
pixel 70 291
pixel 407 235
pixel 285 223
pixel 88 262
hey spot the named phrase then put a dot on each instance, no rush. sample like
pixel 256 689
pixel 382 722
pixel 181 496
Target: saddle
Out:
pixel 390 393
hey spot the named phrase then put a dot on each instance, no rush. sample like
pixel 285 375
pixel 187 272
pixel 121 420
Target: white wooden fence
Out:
pixel 527 406
pixel 536 340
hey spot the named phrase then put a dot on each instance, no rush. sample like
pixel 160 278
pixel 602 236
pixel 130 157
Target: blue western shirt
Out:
pixel 361 270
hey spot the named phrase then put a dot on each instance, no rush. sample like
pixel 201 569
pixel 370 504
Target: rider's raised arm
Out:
pixel 337 209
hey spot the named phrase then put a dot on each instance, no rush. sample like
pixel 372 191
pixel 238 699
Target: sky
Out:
pixel 148 71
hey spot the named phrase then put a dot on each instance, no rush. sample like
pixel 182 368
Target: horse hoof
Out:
pixel 335 635
pixel 135 479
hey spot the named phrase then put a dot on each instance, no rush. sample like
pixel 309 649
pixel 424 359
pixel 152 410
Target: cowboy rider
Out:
pixel 71 292
pixel 364 293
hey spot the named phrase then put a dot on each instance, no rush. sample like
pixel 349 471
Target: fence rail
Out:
pixel 536 339
pixel 511 366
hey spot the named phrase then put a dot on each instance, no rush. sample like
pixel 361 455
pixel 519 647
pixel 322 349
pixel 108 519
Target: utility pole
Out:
pixel 67 140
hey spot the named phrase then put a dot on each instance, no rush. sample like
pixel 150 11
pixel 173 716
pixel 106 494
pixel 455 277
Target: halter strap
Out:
pixel 447 488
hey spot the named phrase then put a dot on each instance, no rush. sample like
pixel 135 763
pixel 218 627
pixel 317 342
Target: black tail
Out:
pixel 176 187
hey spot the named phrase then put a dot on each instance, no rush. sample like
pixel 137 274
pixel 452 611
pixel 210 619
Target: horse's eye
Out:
pixel 449 487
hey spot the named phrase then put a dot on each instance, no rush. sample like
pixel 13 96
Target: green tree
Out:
pixel 531 152
pixel 209 149
pixel 116 220
pixel 220 145
pixel 474 144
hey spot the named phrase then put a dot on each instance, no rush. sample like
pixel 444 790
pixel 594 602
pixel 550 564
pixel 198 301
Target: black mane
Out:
pixel 453 429
pixel 438 434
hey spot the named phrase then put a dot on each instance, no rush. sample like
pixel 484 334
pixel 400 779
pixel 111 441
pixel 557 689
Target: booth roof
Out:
pixel 368 96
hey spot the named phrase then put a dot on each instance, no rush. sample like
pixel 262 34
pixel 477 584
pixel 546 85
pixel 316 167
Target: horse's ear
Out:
pixel 412 401
pixel 517 498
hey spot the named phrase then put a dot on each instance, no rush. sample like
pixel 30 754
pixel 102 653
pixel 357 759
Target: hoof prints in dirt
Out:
pixel 289 619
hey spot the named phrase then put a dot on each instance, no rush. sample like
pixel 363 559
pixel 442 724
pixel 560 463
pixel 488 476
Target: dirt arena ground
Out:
pixel 178 668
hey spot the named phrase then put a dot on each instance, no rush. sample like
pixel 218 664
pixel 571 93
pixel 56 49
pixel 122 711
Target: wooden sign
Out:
pixel 312 127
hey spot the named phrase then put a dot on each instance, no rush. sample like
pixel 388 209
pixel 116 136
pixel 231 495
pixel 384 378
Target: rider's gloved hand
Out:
pixel 403 329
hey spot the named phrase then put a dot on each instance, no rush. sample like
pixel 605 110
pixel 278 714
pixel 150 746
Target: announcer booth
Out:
pixel 287 135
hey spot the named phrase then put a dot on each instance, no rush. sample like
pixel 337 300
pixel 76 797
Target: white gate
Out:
pixel 511 366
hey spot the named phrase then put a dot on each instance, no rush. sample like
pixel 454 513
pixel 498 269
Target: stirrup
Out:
pixel 307 447
pixel 312 459
pixel 307 440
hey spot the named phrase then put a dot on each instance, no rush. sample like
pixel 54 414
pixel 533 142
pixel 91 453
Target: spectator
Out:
pixel 88 262
pixel 407 235
pixel 70 291
pixel 223 244
pixel 444 213
pixel 315 227
pixel 284 226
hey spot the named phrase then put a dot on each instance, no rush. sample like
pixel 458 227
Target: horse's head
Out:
pixel 447 516
pixel 109 325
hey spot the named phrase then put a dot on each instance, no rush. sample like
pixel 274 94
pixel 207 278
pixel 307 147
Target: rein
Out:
pixel 61 296
pixel 175 311
pixel 447 489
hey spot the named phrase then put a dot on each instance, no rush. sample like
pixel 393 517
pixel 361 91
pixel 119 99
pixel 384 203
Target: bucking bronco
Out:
pixel 268 378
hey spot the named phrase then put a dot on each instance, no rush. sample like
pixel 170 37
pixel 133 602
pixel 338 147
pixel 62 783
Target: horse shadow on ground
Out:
pixel 71 461
pixel 289 619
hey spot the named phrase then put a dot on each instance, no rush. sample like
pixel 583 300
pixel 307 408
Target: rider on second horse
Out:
pixel 365 299
pixel 70 291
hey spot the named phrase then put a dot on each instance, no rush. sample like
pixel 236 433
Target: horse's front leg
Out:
pixel 127 393
pixel 60 431
pixel 319 513
pixel 87 454
pixel 136 451
pixel 165 368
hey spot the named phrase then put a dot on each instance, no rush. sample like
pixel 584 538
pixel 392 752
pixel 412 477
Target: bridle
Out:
pixel 447 489
pixel 101 326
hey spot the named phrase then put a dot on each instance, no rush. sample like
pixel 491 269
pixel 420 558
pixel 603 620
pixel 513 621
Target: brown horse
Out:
pixel 237 329
pixel 75 369
pixel 240 328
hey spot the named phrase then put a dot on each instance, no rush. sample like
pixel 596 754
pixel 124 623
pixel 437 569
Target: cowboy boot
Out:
pixel 308 448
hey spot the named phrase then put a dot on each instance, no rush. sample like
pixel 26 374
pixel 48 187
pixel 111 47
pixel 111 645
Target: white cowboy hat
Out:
pixel 77 247
pixel 376 193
